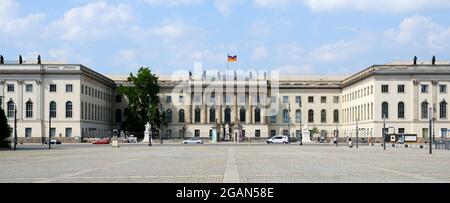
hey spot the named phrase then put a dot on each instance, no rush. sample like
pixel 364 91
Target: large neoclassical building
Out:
pixel 83 103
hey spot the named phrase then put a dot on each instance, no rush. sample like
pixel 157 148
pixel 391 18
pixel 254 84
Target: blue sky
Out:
pixel 294 36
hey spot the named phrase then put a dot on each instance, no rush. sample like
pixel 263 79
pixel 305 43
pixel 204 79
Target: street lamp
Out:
pixel 15 124
pixel 149 115
pixel 384 131
pixel 357 132
pixel 50 127
pixel 430 115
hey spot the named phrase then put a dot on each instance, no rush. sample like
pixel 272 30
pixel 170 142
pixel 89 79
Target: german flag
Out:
pixel 232 58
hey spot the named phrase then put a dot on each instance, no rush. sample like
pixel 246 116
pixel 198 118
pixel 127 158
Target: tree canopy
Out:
pixel 5 131
pixel 141 95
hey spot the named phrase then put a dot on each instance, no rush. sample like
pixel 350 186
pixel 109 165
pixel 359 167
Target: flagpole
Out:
pixel 228 66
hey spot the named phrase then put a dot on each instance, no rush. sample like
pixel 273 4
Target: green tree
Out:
pixel 141 93
pixel 5 131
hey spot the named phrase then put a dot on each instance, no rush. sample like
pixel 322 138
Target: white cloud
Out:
pixel 418 31
pixel 126 55
pixel 172 2
pixel 225 7
pixel 260 53
pixel 11 24
pixel 337 51
pixel 94 20
pixel 375 5
pixel 274 3
pixel 172 30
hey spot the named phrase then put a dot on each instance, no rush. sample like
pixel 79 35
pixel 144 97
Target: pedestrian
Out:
pixel 43 140
pixel 335 141
pixel 350 144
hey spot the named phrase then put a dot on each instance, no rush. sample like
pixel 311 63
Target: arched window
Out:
pixel 336 116
pixel 212 115
pixel 29 109
pixel 401 110
pixel 424 110
pixel 285 116
pixel 273 118
pixel 169 116
pixel 298 116
pixel 323 116
pixel 227 114
pixel 197 115
pixel 257 115
pixel 443 109
pixel 118 116
pixel 311 116
pixel 181 116
pixel 242 115
pixel 11 108
pixel 69 109
pixel 385 110
pixel 53 109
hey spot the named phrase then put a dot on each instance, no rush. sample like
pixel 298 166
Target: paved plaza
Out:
pixel 256 163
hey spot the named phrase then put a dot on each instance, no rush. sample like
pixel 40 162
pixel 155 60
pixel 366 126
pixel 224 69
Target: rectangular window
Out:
pixel 169 99
pixel 384 88
pixel 197 99
pixel 444 133
pixel 118 99
pixel 286 132
pixel 401 131
pixel 323 100
pixel 28 132
pixel 181 99
pixel 298 100
pixel 69 88
pixel 273 133
pixel 401 88
pixel 424 88
pixel 336 99
pixel 285 99
pixel 443 88
pixel 273 100
pixel 242 99
pixel 82 89
pixel 310 99
pixel 228 99
pixel 10 88
pixel 29 88
pixel 257 133
pixel 53 132
pixel 273 119
pixel 52 88
pixel 68 132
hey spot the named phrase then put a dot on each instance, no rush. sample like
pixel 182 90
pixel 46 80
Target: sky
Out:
pixel 296 37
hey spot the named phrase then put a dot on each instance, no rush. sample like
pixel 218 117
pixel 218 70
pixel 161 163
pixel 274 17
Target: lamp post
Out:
pixel 15 125
pixel 430 115
pixel 357 132
pixel 149 116
pixel 384 131
pixel 50 127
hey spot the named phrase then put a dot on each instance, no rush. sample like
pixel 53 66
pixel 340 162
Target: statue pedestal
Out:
pixel 306 138
pixel 146 137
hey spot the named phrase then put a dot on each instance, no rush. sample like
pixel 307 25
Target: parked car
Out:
pixel 132 139
pixel 193 141
pixel 279 139
pixel 102 141
pixel 53 141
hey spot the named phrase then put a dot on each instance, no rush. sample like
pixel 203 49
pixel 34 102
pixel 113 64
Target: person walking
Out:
pixel 335 142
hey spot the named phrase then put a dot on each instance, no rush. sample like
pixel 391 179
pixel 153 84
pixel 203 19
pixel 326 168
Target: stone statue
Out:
pixel 190 75
pixel 2 60
pixel 204 75
pixel 415 60
pixel 235 75
pixel 39 59
pixel 433 60
pixel 148 127
pixel 20 59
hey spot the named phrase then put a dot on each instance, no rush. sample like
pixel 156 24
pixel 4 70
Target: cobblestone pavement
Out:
pixel 222 163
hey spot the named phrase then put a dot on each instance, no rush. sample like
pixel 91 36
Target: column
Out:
pixel 235 112
pixel 188 110
pixel 415 100
pixel 249 109
pixel 434 103
pixel 20 102
pixel 204 114
pixel 219 102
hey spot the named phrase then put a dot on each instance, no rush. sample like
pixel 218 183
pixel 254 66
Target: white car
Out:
pixel 193 141
pixel 279 139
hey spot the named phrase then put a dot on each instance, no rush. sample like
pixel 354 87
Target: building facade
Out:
pixel 83 103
